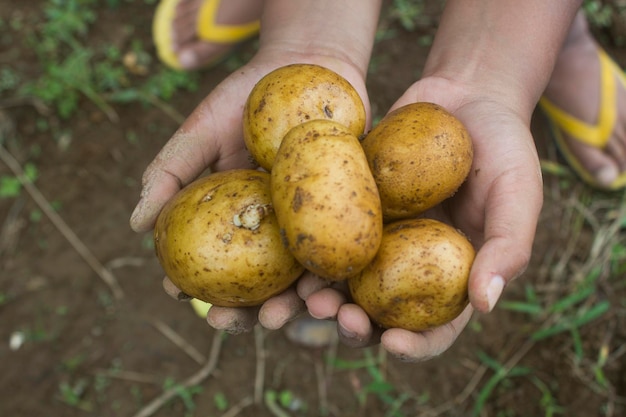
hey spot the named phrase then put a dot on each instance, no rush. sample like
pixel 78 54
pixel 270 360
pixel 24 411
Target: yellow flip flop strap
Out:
pixel 593 135
pixel 209 30
pixel 162 32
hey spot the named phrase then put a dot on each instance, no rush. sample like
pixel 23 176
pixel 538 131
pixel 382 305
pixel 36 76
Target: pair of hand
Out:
pixel 497 207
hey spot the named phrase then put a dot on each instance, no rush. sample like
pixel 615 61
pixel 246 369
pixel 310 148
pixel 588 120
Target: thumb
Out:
pixel 511 215
pixel 211 137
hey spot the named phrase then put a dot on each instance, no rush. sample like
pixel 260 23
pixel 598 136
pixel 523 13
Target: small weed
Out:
pixel 35 215
pixel 548 402
pixel 73 394
pixel 408 12
pixel 220 401
pixel 575 311
pixel 11 186
pixel 598 13
pixel 9 79
pixel 618 259
pixel 63 83
pixel 291 402
pixel 184 393
pixel 385 33
pixel 71 364
pixel 501 376
pixel 568 314
pixel 382 389
pixel 73 70
pixel 279 401
pixel 66 20
pixel 598 367
pixel 137 395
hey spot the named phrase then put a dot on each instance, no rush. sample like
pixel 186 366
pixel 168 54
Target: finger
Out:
pixel 279 310
pixel 179 162
pixel 232 320
pixel 325 303
pixel 355 328
pixel 415 347
pixel 323 298
pixel 173 291
pixel 511 217
pixel 310 283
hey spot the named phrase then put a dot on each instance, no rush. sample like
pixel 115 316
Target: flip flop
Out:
pixel 207 29
pixel 596 135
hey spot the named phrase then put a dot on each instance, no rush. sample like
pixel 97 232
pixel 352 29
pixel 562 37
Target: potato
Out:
pixel 294 94
pixel 218 240
pixel 419 278
pixel 419 155
pixel 326 200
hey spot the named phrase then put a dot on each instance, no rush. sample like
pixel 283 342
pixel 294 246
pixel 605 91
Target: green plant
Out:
pixel 11 186
pixel 66 20
pixel 9 79
pixel 73 394
pixel 279 401
pixel 71 364
pixel 500 375
pixel 598 13
pixel 568 314
pixel 408 12
pixel 184 393
pixel 382 389
pixel 72 69
pixel 548 402
pixel 63 82
pixel 220 401
pixel 618 259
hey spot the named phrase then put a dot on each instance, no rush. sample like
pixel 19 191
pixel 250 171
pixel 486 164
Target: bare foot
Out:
pixel 575 88
pixel 193 52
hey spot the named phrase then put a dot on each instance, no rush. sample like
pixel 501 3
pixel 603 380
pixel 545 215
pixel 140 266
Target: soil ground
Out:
pixel 86 353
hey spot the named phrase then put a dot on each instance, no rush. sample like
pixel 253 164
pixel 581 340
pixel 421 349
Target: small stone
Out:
pixel 311 333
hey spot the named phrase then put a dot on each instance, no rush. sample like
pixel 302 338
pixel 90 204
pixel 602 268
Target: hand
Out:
pixel 497 208
pixel 212 137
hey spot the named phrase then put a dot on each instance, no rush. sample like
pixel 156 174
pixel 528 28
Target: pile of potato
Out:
pixel 330 199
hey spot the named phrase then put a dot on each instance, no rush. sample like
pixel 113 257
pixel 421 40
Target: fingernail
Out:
pixel 135 217
pixel 494 290
pixel 346 333
pixel 318 317
pixel 144 214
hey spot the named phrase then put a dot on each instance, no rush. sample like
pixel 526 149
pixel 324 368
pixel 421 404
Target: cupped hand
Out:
pixel 212 138
pixel 497 208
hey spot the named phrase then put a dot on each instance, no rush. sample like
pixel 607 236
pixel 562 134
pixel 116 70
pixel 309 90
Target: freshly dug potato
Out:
pixel 294 94
pixel 218 240
pixel 419 154
pixel 418 280
pixel 326 200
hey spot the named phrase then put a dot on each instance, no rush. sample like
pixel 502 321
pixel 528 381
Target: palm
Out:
pixel 212 137
pixel 497 208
